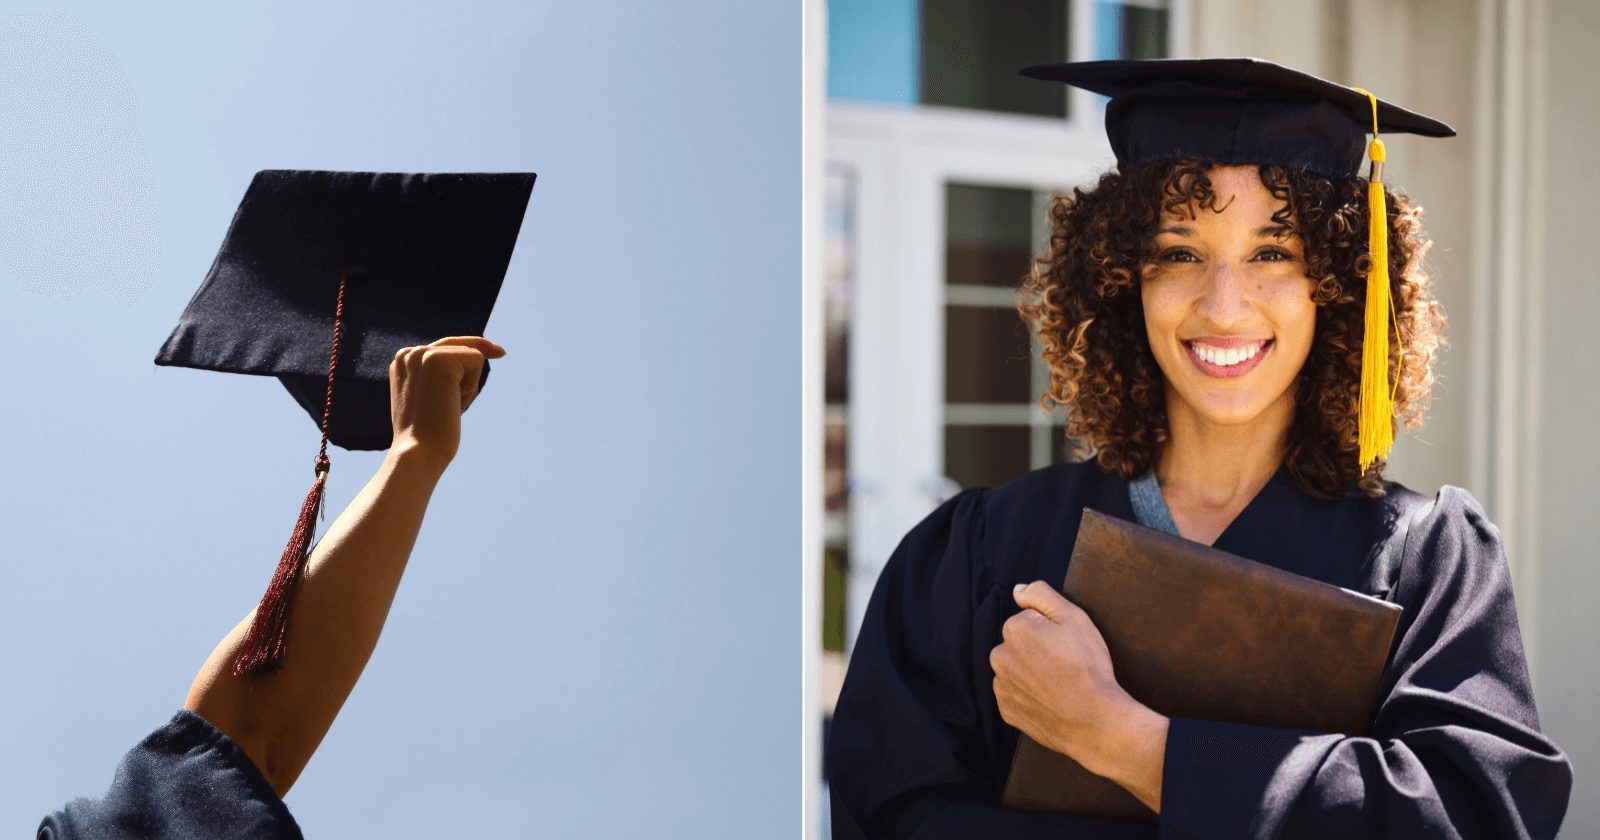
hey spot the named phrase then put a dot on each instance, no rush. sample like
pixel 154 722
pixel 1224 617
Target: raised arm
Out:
pixel 279 718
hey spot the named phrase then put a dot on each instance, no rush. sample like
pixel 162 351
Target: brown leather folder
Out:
pixel 1199 633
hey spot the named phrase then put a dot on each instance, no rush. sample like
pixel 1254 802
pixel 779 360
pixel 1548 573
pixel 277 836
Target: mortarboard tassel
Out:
pixel 1375 436
pixel 264 643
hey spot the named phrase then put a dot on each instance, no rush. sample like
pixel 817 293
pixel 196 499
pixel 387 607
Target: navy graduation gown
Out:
pixel 185 781
pixel 917 748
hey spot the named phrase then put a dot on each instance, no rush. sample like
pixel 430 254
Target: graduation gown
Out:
pixel 186 781
pixel 917 747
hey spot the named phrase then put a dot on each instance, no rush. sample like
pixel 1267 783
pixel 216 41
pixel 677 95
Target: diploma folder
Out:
pixel 1200 633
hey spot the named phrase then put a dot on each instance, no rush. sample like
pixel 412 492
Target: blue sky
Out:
pixel 596 636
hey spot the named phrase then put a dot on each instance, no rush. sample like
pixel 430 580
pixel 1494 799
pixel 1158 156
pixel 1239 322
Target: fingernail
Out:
pixel 1017 590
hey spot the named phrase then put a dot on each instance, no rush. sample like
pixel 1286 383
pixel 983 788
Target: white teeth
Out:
pixel 1227 357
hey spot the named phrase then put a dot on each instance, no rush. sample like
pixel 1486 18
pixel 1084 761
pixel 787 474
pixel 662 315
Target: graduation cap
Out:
pixel 321 278
pixel 1249 111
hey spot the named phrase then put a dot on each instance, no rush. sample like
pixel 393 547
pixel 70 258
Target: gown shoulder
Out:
pixel 187 780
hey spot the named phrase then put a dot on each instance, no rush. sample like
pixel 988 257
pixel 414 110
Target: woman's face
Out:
pixel 1227 304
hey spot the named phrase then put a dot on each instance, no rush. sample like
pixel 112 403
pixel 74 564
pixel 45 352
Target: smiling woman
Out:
pixel 1222 341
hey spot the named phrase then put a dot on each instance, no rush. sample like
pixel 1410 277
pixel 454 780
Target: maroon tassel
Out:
pixel 264 644
pixel 269 629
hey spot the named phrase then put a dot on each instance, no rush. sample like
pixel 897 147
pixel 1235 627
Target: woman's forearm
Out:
pixel 1134 753
pixel 338 614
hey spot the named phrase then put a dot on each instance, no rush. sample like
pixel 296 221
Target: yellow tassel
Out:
pixel 1377 407
pixel 1376 416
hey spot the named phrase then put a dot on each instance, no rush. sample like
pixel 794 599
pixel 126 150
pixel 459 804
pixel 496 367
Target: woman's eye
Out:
pixel 1274 255
pixel 1178 255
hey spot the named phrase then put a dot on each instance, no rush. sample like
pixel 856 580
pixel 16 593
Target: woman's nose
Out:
pixel 1225 301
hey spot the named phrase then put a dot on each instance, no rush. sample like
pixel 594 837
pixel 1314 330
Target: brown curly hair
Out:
pixel 1082 302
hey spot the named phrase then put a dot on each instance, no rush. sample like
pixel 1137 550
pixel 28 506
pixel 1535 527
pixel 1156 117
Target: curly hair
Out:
pixel 1082 302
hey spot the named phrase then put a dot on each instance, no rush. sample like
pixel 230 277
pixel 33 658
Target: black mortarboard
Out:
pixel 426 254
pixel 1249 111
pixel 1234 110
pixel 321 278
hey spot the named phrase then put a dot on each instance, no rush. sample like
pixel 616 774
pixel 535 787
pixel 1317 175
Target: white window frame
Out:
pixel 902 159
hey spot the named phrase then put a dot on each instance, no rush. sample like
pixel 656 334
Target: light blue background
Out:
pixel 596 636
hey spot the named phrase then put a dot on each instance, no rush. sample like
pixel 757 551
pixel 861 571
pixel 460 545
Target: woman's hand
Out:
pixel 1053 681
pixel 429 387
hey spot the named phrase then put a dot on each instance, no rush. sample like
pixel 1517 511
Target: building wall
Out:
pixel 1291 32
pixel 1568 459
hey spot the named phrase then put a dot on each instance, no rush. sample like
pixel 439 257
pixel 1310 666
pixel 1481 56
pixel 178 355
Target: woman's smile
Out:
pixel 1227 357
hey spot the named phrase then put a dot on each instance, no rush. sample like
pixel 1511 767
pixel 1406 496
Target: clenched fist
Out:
pixel 429 386
pixel 1053 678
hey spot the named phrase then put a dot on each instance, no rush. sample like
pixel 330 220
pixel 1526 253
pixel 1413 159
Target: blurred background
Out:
pixel 596 636
pixel 931 164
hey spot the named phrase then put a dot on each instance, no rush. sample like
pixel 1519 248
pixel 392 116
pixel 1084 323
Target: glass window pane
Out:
pixel 839 270
pixel 835 464
pixel 984 456
pixel 1061 446
pixel 1146 33
pixel 1130 29
pixel 989 234
pixel 835 565
pixel 872 50
pixel 971 52
pixel 986 355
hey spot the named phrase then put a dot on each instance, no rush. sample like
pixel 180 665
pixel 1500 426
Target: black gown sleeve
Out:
pixel 905 754
pixel 185 781
pixel 1454 750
